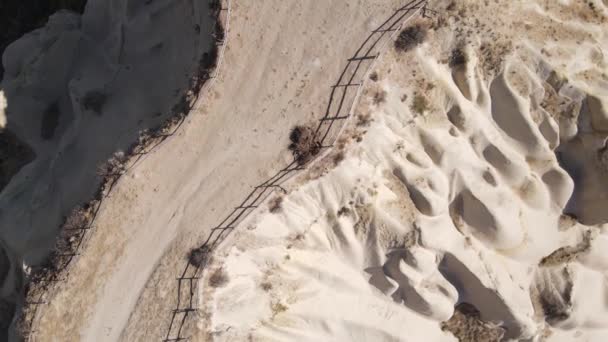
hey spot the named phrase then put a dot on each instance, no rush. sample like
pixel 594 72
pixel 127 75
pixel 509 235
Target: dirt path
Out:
pixel 282 58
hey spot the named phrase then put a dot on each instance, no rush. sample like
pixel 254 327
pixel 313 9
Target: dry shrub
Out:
pixel 338 157
pixel 219 34
pixel 364 119
pixel 182 107
pixel 198 257
pixel 278 308
pixel 411 37
pixel 343 211
pixel 215 6
pixel 169 125
pixel 373 76
pixel 304 144
pixel 218 278
pixel 113 167
pixel 380 97
pixel 274 206
pixel 420 104
pixel 457 57
pixel 266 286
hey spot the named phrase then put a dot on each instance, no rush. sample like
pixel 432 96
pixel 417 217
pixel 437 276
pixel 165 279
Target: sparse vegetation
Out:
pixel 77 219
pixel 420 104
pixel 411 37
pixel 94 101
pixel 218 278
pixel 466 324
pixel 304 144
pixel 278 308
pixel 373 76
pixel 380 97
pixel 568 253
pixel 113 167
pixel 219 33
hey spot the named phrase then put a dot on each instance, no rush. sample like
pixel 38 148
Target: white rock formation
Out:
pixel 481 179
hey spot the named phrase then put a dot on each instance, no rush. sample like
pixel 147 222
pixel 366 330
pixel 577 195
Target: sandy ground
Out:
pixel 281 59
pixel 463 201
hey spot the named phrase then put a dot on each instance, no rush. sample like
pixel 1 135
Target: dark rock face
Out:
pixel 21 16
pixel 7 311
pixel 14 154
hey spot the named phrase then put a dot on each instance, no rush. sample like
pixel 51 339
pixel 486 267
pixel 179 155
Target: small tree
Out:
pixel 199 257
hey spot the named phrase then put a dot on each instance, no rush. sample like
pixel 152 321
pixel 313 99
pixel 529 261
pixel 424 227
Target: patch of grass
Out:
pixel 218 278
pixel 420 104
